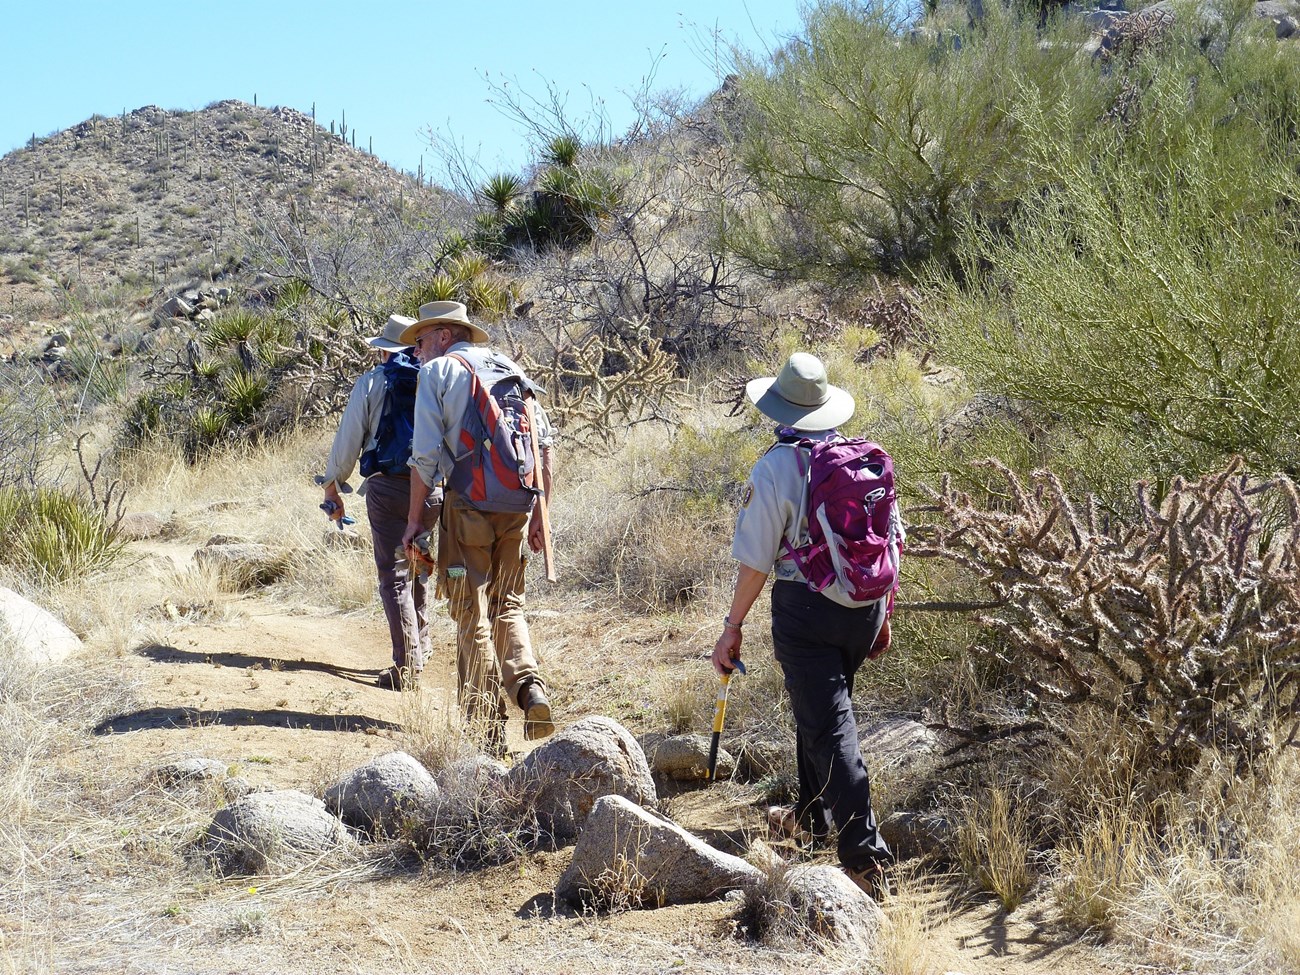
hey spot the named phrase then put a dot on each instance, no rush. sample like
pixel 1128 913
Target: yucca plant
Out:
pixel 104 380
pixel 231 329
pixel 558 181
pixel 467 267
pixel 489 234
pixel 208 369
pixel 440 287
pixel 244 395
pixel 454 243
pixel 206 427
pixel 562 151
pixel 60 536
pixel 292 293
pixel 486 298
pixel 502 190
pixel 143 421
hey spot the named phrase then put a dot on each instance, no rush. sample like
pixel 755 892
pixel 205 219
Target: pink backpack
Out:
pixel 855 534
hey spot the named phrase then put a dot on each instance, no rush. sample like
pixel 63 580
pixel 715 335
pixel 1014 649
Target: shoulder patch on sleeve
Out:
pixel 747 495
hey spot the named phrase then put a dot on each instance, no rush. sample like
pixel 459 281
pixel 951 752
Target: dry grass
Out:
pixel 1103 866
pixel 994 844
pixel 1222 894
pixel 255 492
pixel 772 915
pixel 433 731
pixel 621 886
pixel 265 494
pixel 637 526
pixel 906 945
pixel 687 699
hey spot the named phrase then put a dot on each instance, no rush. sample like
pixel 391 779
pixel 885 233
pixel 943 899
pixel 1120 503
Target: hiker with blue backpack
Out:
pixel 821 510
pixel 375 433
pixel 481 433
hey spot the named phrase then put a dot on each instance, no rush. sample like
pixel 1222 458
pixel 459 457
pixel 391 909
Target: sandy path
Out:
pixel 288 700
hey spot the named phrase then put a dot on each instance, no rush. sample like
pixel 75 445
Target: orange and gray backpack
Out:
pixel 494 467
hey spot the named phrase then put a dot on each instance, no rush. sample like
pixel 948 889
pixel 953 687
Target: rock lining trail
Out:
pixel 286 697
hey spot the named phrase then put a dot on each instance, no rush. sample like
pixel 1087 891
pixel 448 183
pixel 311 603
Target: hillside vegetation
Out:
pixel 1058 272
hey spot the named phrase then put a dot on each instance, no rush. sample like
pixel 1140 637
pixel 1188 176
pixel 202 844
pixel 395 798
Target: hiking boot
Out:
pixel 872 880
pixel 537 712
pixel 396 678
pixel 783 824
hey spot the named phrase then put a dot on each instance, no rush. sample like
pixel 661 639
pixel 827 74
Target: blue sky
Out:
pixel 396 68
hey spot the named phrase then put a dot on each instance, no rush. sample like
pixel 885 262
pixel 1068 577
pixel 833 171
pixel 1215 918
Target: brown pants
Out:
pixel 387 502
pixel 481 557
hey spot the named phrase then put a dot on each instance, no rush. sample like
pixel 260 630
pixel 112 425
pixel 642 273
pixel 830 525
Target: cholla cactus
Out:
pixel 598 386
pixel 1185 622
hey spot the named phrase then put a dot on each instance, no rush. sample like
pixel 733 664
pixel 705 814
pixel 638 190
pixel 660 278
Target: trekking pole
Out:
pixel 719 715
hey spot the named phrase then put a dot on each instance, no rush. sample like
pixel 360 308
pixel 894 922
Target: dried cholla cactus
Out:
pixel 895 316
pixel 324 364
pixel 1186 623
pixel 597 387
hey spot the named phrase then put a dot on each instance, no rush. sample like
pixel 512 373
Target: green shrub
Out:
pixel 469 278
pixel 23 271
pixel 1146 297
pixel 231 329
pixel 873 147
pixel 243 395
pixel 564 209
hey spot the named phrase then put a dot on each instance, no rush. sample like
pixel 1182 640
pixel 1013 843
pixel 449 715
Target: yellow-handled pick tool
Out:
pixel 719 715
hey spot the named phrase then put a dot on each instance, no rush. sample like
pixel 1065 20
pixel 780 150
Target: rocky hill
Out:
pixel 152 193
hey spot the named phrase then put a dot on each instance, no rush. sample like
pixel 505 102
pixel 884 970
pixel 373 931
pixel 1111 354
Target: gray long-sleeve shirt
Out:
pixel 358 427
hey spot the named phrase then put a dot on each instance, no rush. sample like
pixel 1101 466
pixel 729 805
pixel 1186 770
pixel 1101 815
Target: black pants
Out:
pixel 820 645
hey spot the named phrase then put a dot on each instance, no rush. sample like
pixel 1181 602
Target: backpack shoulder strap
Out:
pixel 802 454
pixel 487 407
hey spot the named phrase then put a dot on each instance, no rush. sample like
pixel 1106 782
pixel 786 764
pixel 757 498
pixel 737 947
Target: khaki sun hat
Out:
pixel 800 397
pixel 390 340
pixel 443 312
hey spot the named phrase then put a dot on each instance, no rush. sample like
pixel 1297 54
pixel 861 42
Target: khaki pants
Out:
pixel 481 557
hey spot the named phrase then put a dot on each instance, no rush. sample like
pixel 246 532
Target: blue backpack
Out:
pixel 392 447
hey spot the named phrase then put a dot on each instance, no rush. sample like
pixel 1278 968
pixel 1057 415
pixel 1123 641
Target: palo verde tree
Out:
pixel 872 145
pixel 1147 294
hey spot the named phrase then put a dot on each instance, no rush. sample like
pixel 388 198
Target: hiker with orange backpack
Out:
pixel 480 432
pixel 822 511
pixel 375 431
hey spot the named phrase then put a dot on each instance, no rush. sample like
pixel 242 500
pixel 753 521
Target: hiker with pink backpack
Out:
pixel 821 510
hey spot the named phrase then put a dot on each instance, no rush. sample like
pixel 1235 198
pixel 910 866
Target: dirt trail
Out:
pixel 288 699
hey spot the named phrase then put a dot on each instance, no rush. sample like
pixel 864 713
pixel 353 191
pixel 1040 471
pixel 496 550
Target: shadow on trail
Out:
pixel 160 717
pixel 996 940
pixel 547 905
pixel 164 654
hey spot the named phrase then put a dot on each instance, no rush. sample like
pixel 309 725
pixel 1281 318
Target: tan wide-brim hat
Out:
pixel 444 313
pixel 390 340
pixel 799 396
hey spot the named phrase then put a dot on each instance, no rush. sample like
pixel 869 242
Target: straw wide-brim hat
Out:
pixel 390 340
pixel 800 397
pixel 444 313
